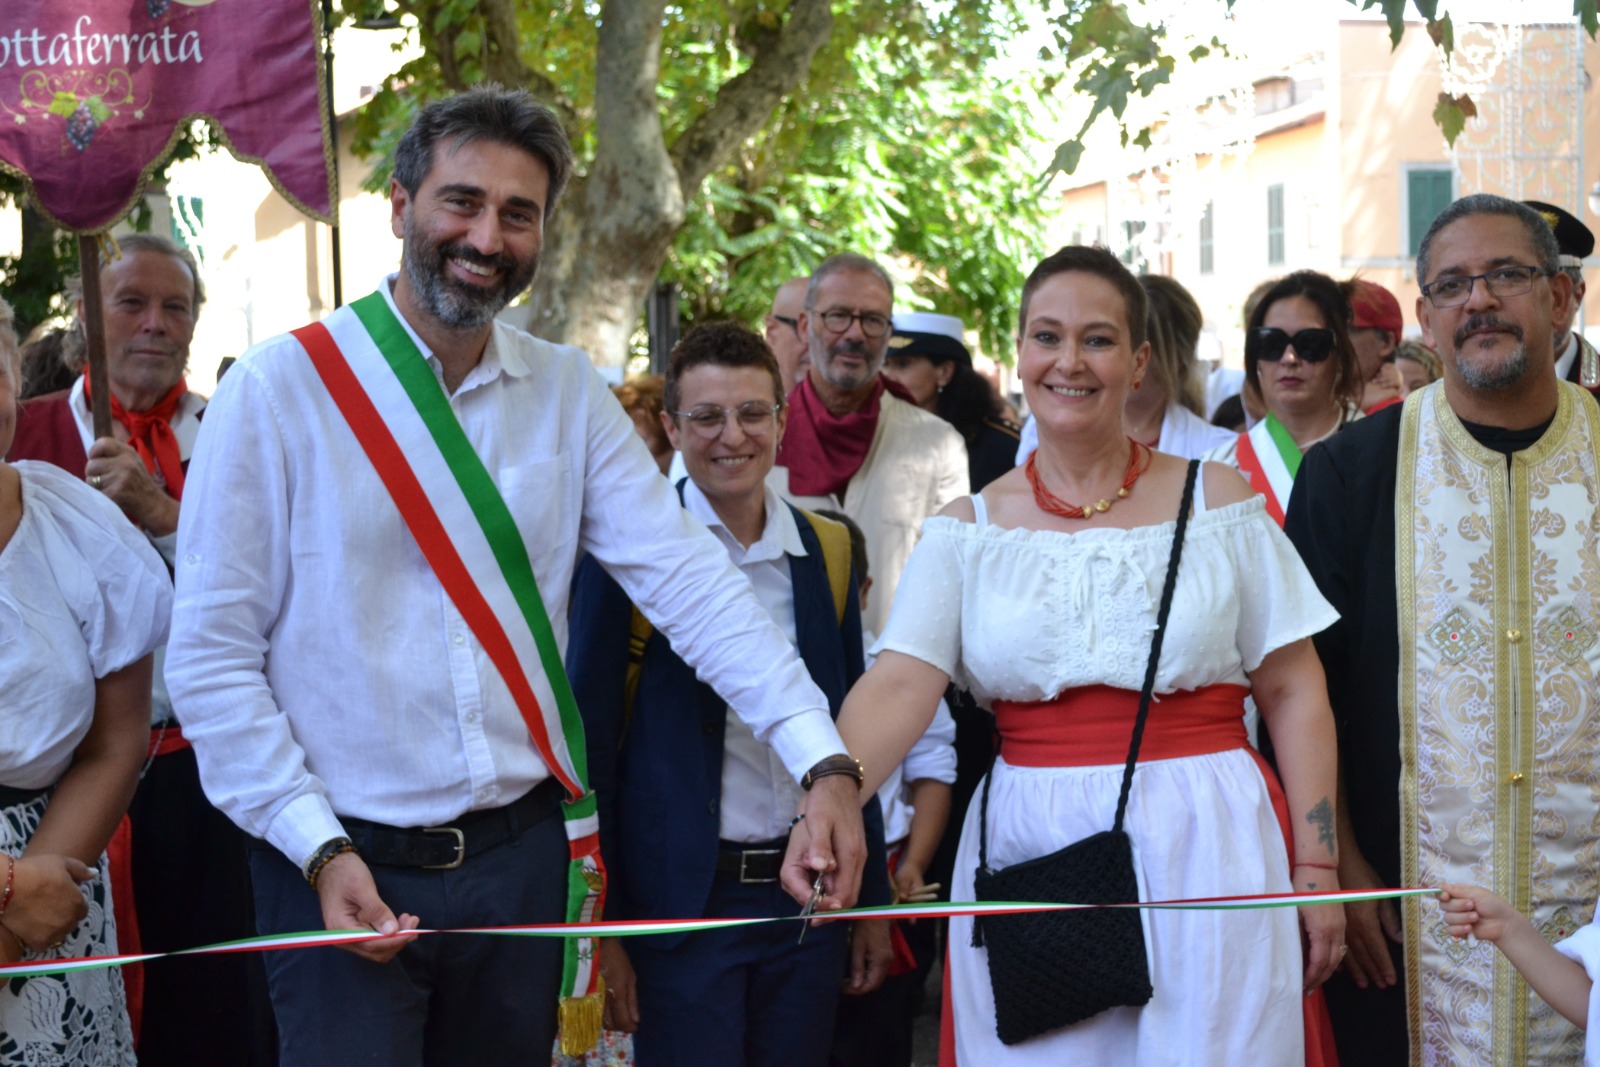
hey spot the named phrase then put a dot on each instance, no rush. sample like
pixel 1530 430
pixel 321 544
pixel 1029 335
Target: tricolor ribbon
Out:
pixel 643 927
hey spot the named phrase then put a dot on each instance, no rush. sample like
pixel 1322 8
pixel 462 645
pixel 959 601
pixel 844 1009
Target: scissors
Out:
pixel 811 907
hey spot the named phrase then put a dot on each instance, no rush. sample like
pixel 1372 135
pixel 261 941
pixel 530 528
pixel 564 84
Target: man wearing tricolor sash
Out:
pixel 371 615
pixel 1459 538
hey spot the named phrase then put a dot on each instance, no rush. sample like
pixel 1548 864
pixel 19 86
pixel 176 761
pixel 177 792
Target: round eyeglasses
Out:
pixel 838 320
pixel 756 418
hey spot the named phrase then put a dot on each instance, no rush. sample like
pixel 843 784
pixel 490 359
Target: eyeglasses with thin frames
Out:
pixel 756 418
pixel 1507 281
pixel 838 320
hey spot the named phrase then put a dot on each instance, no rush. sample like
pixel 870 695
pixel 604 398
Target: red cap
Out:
pixel 1374 305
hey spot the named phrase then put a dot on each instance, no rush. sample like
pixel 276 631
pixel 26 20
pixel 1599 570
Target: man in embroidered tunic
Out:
pixel 371 609
pixel 1463 667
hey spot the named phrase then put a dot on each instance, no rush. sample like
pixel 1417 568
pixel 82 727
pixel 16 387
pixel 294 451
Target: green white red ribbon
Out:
pixel 642 927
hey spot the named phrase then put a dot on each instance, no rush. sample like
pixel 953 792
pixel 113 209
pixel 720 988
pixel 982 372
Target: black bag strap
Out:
pixel 1162 612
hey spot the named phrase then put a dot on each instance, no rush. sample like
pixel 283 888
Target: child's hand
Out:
pixel 1470 909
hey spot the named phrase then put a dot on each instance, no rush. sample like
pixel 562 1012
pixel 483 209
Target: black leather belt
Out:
pixel 444 848
pixel 752 863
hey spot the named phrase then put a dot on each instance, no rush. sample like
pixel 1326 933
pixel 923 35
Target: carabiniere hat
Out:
pixel 937 338
pixel 1575 240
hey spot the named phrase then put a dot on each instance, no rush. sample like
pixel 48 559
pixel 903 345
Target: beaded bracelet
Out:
pixel 11 883
pixel 338 846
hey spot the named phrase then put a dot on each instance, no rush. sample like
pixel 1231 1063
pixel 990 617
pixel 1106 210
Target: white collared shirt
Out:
pixel 1568 355
pixel 185 424
pixel 185 427
pixel 758 796
pixel 318 666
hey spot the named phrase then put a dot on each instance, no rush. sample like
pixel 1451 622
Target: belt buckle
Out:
pixel 744 858
pixel 461 847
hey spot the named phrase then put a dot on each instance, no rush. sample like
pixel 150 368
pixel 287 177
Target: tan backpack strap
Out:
pixel 639 631
pixel 835 541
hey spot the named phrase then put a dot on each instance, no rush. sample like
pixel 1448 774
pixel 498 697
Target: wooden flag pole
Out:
pixel 94 334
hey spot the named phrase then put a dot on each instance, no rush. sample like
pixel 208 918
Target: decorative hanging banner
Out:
pixel 93 94
pixel 642 927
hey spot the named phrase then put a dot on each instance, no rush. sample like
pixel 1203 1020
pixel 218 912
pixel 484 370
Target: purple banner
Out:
pixel 92 93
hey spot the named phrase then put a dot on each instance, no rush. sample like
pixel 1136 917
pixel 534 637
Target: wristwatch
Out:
pixel 840 764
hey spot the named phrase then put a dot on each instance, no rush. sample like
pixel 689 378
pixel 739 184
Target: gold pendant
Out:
pixel 1102 505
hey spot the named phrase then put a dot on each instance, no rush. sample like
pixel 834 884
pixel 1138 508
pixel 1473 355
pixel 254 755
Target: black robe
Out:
pixel 1341 519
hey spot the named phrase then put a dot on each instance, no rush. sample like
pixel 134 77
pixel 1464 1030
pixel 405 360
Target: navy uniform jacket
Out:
pixel 658 771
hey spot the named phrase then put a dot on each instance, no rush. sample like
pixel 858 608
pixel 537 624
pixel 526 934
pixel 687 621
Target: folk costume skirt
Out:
pixel 1203 822
pixel 78 1019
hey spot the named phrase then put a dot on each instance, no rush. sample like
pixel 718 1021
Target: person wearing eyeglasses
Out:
pixel 783 334
pixel 1458 535
pixel 1298 353
pixel 695 808
pixel 856 442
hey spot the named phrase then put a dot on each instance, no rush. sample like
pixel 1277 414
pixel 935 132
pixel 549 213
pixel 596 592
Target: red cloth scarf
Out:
pixel 150 434
pixel 822 450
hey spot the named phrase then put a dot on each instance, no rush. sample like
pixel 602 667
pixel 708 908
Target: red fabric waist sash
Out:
pixel 1093 725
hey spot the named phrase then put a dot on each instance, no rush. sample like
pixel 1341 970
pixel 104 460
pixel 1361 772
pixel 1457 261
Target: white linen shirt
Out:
pixel 316 663
pixel 758 797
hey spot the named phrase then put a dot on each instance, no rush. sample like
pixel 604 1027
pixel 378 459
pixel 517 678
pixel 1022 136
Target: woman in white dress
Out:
pixel 1045 611
pixel 84 600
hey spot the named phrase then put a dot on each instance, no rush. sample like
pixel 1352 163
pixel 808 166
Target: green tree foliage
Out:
pixel 904 140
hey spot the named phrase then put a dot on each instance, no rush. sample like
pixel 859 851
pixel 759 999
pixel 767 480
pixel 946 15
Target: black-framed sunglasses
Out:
pixel 1269 343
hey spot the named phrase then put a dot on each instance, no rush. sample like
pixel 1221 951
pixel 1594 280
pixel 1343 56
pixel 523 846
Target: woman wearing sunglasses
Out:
pixel 1298 354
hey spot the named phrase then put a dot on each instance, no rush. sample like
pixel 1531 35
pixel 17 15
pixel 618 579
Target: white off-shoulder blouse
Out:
pixel 82 594
pixel 1021 615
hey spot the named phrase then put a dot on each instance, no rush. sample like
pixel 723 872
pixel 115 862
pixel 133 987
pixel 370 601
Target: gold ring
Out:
pixel 94 481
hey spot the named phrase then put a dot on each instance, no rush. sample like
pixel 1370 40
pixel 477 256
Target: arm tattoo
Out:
pixel 1321 817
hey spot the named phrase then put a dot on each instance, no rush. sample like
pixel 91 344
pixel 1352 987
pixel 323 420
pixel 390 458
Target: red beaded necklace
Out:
pixel 1138 463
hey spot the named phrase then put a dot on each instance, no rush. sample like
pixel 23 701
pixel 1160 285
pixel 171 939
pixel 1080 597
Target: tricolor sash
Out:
pixel 1270 459
pixel 389 396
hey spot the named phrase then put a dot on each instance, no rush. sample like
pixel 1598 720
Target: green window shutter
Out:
pixel 1428 192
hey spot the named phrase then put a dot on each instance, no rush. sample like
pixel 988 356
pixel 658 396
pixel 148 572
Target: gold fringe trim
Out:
pixel 579 1019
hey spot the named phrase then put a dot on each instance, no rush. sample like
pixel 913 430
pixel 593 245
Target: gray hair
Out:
pixel 1545 249
pixel 134 243
pixel 846 262
pixel 486 112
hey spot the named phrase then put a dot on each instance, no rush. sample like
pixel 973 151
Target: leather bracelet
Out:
pixel 323 856
pixel 840 764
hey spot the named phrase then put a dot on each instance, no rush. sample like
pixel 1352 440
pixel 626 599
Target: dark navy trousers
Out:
pixel 741 997
pixel 446 999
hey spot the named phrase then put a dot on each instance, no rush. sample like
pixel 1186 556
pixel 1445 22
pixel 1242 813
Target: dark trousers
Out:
pixel 191 886
pixel 875 1029
pixel 741 997
pixel 446 999
pixel 1369 1025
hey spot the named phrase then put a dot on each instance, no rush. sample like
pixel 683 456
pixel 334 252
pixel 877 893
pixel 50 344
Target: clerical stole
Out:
pixel 1498 577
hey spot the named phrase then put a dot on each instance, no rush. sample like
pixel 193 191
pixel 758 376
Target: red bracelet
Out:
pixel 1320 866
pixel 11 883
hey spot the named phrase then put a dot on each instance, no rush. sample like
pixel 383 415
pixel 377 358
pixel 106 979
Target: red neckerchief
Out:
pixel 822 450
pixel 150 434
